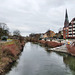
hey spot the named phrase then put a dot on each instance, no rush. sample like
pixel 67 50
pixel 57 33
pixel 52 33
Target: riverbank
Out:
pixel 35 60
pixel 28 57
pixel 55 46
pixel 51 44
pixel 9 53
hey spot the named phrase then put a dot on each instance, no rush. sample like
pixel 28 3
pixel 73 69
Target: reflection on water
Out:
pixel 36 60
pixel 70 62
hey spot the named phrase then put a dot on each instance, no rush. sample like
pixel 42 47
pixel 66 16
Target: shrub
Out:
pixel 4 38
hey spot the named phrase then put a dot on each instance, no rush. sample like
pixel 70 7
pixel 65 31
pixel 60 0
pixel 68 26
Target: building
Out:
pixel 69 28
pixel 50 33
pixel 65 29
pixel 43 35
pixel 59 34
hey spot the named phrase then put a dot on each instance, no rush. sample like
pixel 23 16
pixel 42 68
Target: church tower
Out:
pixel 66 23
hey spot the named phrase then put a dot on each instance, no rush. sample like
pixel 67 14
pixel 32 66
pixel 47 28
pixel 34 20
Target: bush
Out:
pixel 4 39
pixel 7 52
pixel 40 38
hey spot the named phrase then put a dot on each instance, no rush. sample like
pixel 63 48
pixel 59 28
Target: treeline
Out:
pixel 4 30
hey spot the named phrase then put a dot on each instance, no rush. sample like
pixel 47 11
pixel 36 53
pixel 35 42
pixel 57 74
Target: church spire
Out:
pixel 66 19
pixel 66 16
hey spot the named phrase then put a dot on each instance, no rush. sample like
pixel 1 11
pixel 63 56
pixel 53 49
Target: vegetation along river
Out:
pixel 36 60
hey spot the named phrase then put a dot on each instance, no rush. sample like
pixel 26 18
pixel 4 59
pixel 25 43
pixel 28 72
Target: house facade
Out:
pixel 50 33
pixel 69 28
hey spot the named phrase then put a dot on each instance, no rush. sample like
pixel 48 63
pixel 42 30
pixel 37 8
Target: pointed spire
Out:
pixel 66 16
pixel 66 19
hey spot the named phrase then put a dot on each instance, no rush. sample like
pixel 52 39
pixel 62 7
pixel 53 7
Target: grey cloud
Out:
pixel 35 16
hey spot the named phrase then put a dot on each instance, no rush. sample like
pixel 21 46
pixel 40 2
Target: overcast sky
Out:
pixel 35 16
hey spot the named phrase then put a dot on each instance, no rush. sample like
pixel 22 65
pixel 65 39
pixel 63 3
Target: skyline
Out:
pixel 35 16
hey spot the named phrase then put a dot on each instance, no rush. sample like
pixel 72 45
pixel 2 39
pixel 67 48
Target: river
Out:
pixel 36 60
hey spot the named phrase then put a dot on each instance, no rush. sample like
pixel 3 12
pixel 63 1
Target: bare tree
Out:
pixel 16 33
pixel 4 30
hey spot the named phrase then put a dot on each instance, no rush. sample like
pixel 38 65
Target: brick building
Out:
pixel 69 28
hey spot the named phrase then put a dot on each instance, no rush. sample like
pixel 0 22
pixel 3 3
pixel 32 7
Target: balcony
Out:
pixel 73 25
pixel 73 28
pixel 74 35
pixel 74 32
pixel 70 26
pixel 69 35
pixel 70 29
pixel 70 32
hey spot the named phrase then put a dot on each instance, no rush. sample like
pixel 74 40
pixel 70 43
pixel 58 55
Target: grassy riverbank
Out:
pixel 9 53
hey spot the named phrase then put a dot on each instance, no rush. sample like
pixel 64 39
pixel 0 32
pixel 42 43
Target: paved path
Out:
pixel 62 49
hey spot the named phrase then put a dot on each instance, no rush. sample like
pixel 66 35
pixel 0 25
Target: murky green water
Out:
pixel 35 60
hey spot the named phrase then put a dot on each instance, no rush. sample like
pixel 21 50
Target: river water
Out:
pixel 36 60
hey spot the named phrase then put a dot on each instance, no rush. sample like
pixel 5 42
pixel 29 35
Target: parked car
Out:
pixel 4 38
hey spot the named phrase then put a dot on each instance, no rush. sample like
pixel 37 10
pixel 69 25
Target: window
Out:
pixel 70 34
pixel 66 30
pixel 66 35
pixel 70 28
